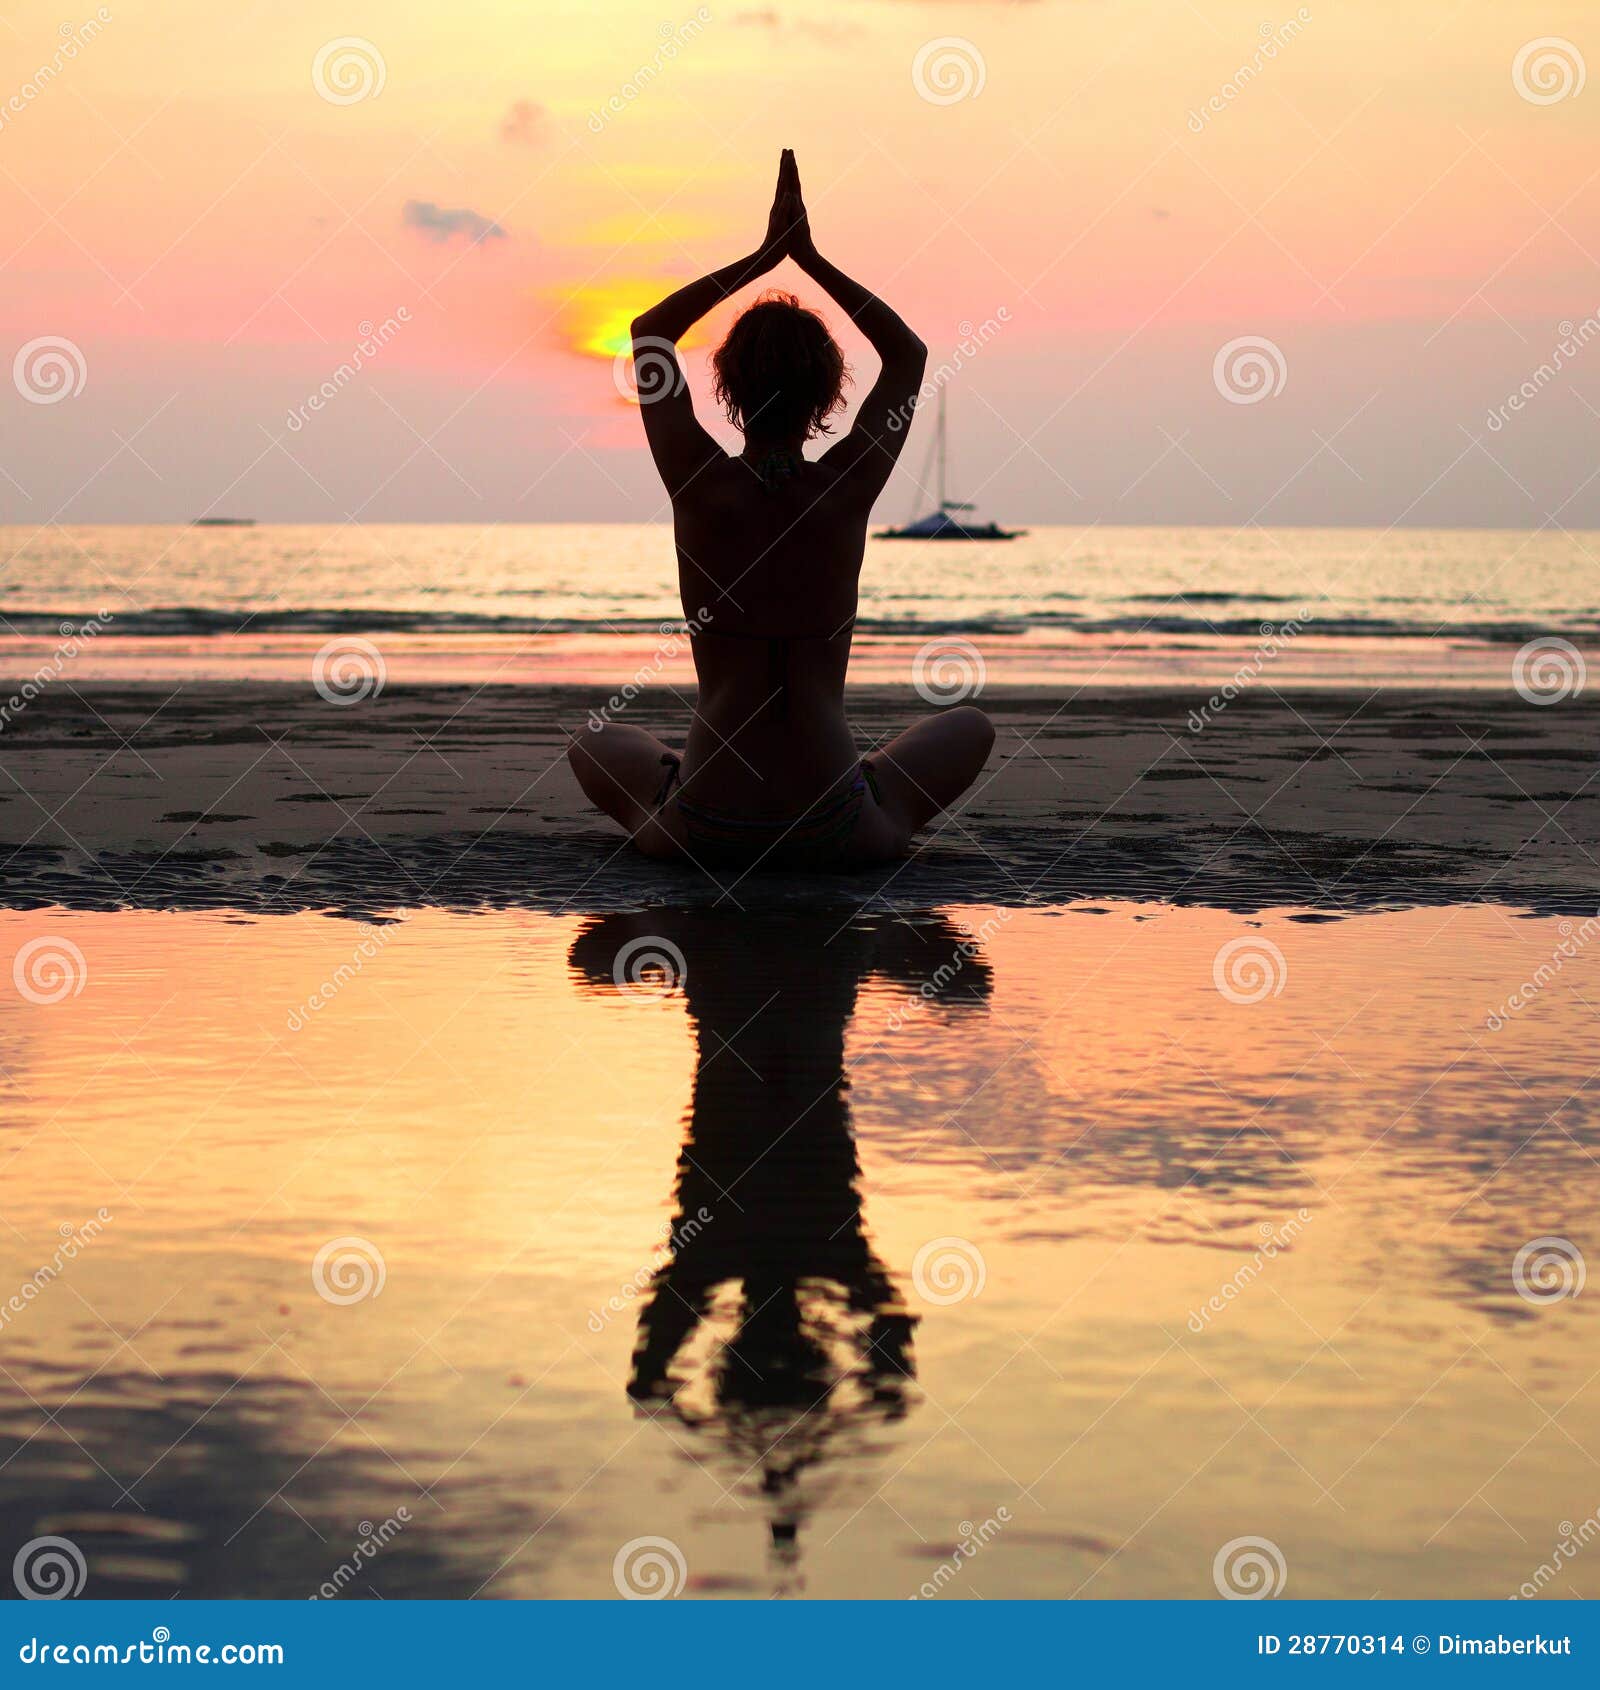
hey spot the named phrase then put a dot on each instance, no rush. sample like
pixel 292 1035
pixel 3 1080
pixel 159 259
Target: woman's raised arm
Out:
pixel 679 445
pixel 869 451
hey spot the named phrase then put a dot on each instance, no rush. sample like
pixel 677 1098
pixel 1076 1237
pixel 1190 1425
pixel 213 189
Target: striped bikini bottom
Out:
pixel 815 839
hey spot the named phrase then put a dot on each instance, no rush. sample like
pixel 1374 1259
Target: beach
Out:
pixel 415 1192
pixel 269 798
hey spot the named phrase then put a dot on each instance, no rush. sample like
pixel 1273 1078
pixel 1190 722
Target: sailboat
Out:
pixel 942 524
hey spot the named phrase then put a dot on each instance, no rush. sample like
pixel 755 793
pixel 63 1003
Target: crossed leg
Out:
pixel 921 772
pixel 623 770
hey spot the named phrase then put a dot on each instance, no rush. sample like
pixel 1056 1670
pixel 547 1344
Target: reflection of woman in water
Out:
pixel 773 1326
pixel 770 546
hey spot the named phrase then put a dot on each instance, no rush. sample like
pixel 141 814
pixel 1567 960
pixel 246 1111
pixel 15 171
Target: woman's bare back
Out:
pixel 769 571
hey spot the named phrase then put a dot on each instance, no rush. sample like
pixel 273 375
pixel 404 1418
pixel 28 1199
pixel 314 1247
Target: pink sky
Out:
pixel 1380 199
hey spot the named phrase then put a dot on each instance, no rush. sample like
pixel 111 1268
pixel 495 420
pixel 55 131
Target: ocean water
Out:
pixel 551 602
pixel 496 1255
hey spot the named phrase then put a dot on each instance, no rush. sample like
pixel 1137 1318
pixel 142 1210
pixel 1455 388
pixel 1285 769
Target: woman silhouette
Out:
pixel 809 1339
pixel 770 546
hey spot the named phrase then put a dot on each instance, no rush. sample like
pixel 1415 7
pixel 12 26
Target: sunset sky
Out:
pixel 1379 200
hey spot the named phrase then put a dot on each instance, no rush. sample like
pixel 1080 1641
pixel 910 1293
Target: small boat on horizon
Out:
pixel 940 523
pixel 223 522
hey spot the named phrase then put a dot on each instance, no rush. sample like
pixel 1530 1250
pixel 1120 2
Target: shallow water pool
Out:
pixel 989 1252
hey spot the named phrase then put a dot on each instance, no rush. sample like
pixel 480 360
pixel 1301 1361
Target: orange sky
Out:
pixel 210 231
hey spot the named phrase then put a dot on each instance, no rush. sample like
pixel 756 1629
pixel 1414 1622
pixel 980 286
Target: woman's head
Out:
pixel 779 374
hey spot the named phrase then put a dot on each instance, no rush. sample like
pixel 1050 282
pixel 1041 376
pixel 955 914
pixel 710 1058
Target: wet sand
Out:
pixel 264 797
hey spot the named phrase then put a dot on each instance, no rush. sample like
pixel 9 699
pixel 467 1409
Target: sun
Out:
pixel 611 335
pixel 596 321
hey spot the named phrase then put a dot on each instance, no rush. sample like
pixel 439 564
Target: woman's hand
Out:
pixel 788 236
pixel 801 246
pixel 788 228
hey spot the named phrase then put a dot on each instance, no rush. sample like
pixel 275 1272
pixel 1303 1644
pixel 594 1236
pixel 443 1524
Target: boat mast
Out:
pixel 941 449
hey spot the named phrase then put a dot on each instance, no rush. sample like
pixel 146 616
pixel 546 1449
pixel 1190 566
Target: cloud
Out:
pixel 768 17
pixel 524 124
pixel 438 224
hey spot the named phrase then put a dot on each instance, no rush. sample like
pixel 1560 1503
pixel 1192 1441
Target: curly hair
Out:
pixel 780 369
